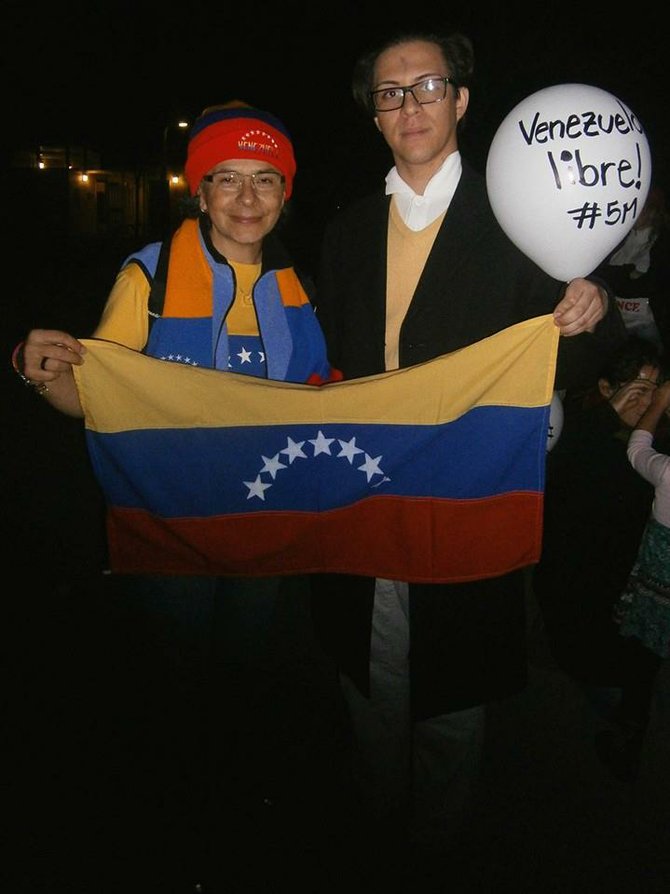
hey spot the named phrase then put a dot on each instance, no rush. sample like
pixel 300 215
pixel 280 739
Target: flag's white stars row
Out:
pixel 180 358
pixel 244 355
pixel 320 444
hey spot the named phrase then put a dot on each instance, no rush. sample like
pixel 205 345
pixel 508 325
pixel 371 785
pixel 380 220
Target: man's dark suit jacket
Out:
pixel 468 639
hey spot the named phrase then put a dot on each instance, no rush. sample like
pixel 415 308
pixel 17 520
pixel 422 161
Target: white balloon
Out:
pixel 555 421
pixel 567 174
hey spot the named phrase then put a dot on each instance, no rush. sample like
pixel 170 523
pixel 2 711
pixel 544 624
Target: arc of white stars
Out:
pixel 320 444
pixel 177 358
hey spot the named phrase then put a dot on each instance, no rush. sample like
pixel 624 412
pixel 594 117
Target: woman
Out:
pixel 210 677
pixel 226 280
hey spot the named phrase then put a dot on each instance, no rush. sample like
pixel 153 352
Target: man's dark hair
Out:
pixel 456 49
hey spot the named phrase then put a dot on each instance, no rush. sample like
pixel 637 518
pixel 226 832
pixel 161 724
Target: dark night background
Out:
pixel 112 75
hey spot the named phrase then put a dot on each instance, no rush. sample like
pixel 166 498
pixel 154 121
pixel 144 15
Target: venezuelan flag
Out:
pixel 433 473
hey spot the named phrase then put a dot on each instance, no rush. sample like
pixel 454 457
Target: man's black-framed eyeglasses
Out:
pixel 430 90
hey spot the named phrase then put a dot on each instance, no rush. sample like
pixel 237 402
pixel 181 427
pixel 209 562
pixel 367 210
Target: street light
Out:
pixel 180 125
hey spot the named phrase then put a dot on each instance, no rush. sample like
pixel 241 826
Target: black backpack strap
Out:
pixel 159 282
pixel 308 284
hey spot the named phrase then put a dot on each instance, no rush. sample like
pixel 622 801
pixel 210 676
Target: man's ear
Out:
pixel 462 100
pixel 605 388
pixel 377 125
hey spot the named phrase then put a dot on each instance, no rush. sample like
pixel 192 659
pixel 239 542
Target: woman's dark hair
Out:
pixel 621 366
pixel 625 364
pixel 456 49
pixel 190 207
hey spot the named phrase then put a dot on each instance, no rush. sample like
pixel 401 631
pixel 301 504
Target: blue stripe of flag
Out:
pixel 311 468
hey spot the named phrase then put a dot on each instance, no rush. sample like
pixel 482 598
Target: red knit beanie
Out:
pixel 238 131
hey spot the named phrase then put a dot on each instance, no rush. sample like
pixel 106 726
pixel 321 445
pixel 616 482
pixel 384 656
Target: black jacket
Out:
pixel 467 640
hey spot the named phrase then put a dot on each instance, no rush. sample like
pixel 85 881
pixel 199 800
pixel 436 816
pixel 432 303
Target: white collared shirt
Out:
pixel 417 211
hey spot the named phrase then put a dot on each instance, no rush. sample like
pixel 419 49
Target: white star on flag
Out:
pixel 321 444
pixel 371 466
pixel 293 450
pixel 349 449
pixel 257 488
pixel 272 466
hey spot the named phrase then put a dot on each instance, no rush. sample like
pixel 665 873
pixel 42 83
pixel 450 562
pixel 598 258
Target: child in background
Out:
pixel 643 609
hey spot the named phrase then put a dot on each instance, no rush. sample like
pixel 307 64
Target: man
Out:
pixel 406 276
